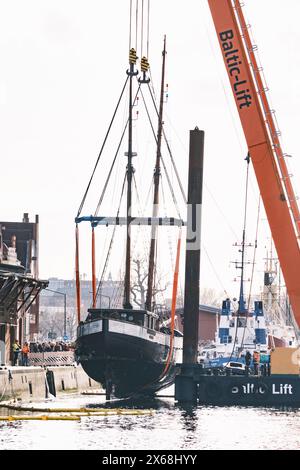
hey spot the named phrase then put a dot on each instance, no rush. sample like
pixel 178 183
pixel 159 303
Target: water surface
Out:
pixel 170 427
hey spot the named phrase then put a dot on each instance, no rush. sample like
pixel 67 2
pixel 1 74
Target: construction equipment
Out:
pixel 262 139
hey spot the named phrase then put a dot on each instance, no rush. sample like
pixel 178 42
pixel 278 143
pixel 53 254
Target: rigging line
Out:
pixel 151 83
pixel 205 184
pixel 255 250
pixel 171 188
pixel 103 246
pixel 111 242
pixel 170 244
pixel 168 228
pixel 162 160
pixel 169 150
pixel 130 24
pixel 100 153
pixel 113 162
pixel 110 172
pixel 117 290
pixel 221 211
pixel 215 272
pixel 175 168
pixel 148 29
pixel 140 211
pixel 148 195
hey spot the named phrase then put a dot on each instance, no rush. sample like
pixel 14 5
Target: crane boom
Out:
pixel 263 143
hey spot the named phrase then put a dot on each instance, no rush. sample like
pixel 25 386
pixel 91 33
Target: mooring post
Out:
pixel 185 386
pixel 192 263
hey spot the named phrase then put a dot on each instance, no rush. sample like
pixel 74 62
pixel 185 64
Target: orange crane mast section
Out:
pixel 266 158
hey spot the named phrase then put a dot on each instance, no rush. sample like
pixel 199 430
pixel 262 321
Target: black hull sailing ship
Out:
pixel 131 351
pixel 126 356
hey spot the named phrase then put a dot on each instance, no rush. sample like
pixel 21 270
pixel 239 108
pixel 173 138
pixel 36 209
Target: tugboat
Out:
pixel 245 370
pixel 241 330
pixel 130 351
pixel 236 335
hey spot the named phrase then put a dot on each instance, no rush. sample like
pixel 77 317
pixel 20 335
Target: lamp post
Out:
pixel 65 308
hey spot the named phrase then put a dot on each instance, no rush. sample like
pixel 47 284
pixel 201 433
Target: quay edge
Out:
pixel 29 383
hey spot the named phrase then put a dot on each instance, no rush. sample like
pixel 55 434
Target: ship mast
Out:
pixel 131 72
pixel 157 174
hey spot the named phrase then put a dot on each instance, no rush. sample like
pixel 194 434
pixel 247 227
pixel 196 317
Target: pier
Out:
pixel 38 383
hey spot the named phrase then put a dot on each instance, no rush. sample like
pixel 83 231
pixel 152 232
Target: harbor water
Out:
pixel 168 427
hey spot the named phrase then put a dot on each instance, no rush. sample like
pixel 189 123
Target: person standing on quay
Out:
pixel 25 351
pixel 16 349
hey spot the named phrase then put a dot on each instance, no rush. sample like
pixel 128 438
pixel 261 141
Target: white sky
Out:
pixel 63 64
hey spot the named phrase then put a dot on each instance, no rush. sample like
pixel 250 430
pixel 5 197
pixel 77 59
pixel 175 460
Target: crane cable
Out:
pixel 142 28
pixel 142 16
pixel 148 27
pixel 130 24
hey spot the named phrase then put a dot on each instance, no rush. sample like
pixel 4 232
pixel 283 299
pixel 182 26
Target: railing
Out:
pixel 59 358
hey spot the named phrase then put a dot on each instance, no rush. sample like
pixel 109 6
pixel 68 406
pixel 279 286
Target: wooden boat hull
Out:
pixel 129 359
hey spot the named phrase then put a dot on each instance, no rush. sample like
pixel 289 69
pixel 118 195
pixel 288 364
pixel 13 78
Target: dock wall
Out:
pixel 29 383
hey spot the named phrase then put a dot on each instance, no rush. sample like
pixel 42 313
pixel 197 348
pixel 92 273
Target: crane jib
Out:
pixel 262 140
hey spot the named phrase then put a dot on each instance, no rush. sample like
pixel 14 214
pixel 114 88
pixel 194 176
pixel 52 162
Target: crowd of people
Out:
pixel 53 346
pixel 21 353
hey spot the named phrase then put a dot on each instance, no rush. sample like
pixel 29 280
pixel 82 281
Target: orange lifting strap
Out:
pixel 173 308
pixel 78 296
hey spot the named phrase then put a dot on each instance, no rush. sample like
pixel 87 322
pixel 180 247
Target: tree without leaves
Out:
pixel 139 284
pixel 211 297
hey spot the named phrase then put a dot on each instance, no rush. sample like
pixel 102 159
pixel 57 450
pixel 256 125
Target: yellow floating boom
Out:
pixel 39 418
pixel 79 410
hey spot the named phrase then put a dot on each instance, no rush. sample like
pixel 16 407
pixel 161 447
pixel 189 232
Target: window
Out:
pixel 242 322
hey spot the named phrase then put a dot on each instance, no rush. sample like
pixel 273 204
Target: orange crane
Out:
pixel 262 139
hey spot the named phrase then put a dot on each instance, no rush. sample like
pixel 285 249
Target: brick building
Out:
pixel 19 283
pixel 208 322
